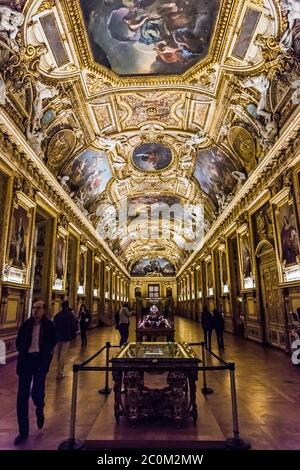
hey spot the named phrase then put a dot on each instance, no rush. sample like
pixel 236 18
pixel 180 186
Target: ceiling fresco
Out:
pixel 214 171
pixel 153 266
pixel 152 157
pixel 138 37
pixel 146 102
pixel 87 176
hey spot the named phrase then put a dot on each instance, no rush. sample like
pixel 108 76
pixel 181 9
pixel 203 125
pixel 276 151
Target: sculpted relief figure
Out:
pixel 35 138
pixel 195 139
pixel 261 84
pixel 292 8
pixel 10 22
pixel 108 143
pixel 223 132
pixel 186 161
pixel 269 132
pixel 34 132
pixel 240 177
pixel 43 92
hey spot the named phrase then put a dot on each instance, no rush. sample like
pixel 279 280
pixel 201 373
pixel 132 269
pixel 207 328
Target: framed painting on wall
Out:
pixel 209 278
pixel 19 237
pixel 60 258
pixel 288 234
pixel 246 263
pixel 82 270
pixel 96 279
pixel 19 241
pixel 3 206
pixel 223 270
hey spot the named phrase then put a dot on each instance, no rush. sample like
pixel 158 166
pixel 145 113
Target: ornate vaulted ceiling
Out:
pixel 147 102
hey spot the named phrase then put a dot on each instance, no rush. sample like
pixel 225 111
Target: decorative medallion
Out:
pixel 61 145
pixel 152 157
pixel 242 143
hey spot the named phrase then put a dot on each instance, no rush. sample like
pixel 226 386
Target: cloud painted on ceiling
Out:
pixel 158 265
pixel 138 37
pixel 88 175
pixel 214 173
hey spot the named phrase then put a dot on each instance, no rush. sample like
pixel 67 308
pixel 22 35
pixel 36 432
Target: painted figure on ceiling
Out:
pixel 149 36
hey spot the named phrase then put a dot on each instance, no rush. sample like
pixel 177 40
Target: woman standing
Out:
pixel 124 323
pixel 84 318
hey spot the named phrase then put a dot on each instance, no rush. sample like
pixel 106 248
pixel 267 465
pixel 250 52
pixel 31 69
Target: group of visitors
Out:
pixel 37 338
pixel 212 321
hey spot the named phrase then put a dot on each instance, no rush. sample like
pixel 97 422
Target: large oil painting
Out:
pixel 246 255
pixel 153 266
pixel 3 198
pixel 60 258
pixel 82 268
pixel 289 234
pixel 214 173
pixel 20 237
pixel 151 157
pixel 88 175
pixel 136 37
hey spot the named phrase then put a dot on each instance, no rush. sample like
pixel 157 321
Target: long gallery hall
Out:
pixel 149 224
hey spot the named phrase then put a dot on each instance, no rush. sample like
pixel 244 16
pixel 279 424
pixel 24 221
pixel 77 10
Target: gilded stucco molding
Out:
pixel 41 178
pixel 280 157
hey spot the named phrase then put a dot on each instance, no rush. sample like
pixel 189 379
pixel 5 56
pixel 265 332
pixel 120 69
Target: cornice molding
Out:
pixel 275 162
pixel 34 169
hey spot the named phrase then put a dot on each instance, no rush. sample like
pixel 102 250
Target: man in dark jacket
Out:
pixel 35 342
pixel 66 326
pixel 207 325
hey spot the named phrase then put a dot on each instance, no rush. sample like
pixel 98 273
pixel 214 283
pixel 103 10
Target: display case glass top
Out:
pixel 156 350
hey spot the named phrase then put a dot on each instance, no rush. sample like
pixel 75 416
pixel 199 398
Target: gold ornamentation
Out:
pixel 243 144
pixel 60 146
pixel 46 5
pixel 95 84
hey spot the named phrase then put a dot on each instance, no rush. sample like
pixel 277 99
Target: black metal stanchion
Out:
pixel 205 389
pixel 235 443
pixel 106 390
pixel 72 443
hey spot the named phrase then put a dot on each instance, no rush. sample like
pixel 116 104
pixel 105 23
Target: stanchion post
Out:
pixel 205 389
pixel 72 443
pixel 106 390
pixel 235 443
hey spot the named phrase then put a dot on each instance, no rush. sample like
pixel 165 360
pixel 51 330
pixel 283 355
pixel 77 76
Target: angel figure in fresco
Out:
pixel 289 242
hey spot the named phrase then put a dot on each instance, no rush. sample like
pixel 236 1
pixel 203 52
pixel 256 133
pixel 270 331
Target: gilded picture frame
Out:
pixel 19 241
pixel 287 237
pixel 246 261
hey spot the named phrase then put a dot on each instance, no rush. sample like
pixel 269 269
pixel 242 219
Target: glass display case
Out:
pixel 175 398
pixel 154 326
